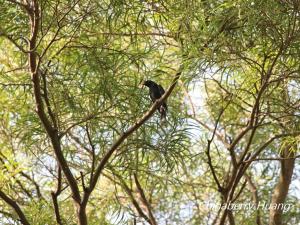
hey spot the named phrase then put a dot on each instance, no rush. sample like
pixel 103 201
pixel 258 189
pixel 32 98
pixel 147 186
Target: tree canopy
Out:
pixel 82 143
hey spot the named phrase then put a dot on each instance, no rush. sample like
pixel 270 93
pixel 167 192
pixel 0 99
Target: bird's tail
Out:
pixel 163 113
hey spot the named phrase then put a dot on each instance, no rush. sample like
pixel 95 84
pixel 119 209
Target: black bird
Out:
pixel 156 91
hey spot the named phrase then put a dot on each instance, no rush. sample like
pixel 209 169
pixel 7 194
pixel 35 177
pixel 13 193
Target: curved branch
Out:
pixel 16 207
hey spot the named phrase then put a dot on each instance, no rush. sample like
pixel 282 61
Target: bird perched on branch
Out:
pixel 156 91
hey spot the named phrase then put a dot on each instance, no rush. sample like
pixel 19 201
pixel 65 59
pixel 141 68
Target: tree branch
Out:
pixel 54 197
pixel 144 200
pixel 15 206
pixel 51 131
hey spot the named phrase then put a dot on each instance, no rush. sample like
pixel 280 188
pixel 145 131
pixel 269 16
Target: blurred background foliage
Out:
pixel 93 56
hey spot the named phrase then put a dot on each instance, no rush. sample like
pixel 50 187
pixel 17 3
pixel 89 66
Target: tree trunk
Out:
pixel 281 189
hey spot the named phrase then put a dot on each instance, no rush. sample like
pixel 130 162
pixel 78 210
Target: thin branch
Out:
pixel 270 159
pixel 15 206
pixel 46 98
pixel 169 35
pixel 144 200
pixel 83 120
pixel 266 144
pixel 54 197
pixel 240 191
pixel 82 181
pixel 12 40
pixel 131 196
pixel 22 5
pixel 220 188
pixel 93 151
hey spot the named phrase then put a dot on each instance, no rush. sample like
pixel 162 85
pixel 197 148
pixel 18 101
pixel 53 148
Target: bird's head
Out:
pixel 147 83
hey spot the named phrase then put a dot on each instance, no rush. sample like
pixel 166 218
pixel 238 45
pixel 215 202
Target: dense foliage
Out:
pixel 81 142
